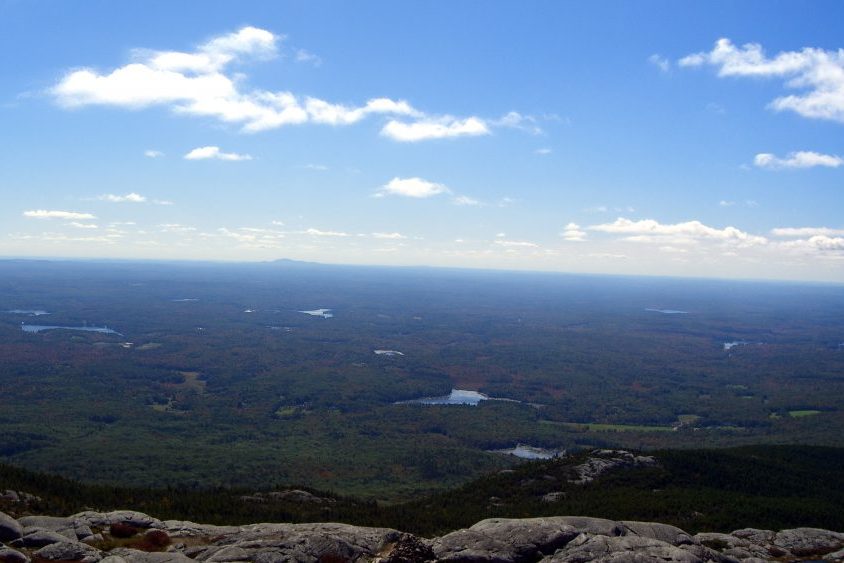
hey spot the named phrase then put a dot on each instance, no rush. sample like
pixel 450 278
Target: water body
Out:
pixel 524 451
pixel 668 311
pixel 30 312
pixel 734 343
pixel 41 328
pixel 388 353
pixel 456 397
pixel 324 313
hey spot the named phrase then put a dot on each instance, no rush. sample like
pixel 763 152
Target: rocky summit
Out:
pixel 127 536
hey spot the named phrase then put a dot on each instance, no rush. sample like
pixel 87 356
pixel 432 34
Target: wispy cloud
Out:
pixel 545 151
pixel 515 243
pixel 412 187
pixel 176 228
pixel 573 233
pixel 389 236
pixel 806 232
pixel 819 74
pixel 799 159
pixel 651 231
pixel 202 83
pixel 128 198
pixel 516 120
pixel 817 243
pixel 83 225
pixel 660 62
pixel 214 153
pixel 303 56
pixel 466 200
pixel 319 233
pixel 441 128
pixel 46 214
pixel 153 153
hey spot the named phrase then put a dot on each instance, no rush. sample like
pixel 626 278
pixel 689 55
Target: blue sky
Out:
pixel 659 138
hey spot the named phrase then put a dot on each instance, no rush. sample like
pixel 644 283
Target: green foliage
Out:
pixel 770 487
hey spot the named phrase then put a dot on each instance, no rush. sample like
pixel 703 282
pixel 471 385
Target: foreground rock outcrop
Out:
pixel 132 537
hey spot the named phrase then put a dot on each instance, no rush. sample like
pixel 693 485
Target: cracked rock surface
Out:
pixel 86 538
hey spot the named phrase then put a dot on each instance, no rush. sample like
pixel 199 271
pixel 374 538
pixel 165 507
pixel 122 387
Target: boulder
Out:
pixel 9 555
pixel 186 529
pixel 39 537
pixel 621 549
pixel 657 531
pixel 505 540
pixel 69 551
pixel 124 555
pixel 809 541
pixel 10 529
pixel 106 519
pixel 57 524
pixel 268 543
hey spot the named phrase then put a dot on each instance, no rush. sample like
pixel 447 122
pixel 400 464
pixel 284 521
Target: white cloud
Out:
pixel 319 233
pixel 68 215
pixel 516 120
pixel 466 200
pixel 817 243
pixel 303 56
pixel 425 129
pixel 176 228
pixel 819 74
pixel 725 203
pixel 202 83
pixel 128 198
pixel 153 153
pixel 545 151
pixel 648 230
pixel 573 233
pixel 799 159
pixel 83 225
pixel 206 153
pixel 660 62
pixel 806 231
pixel 516 244
pixel 392 236
pixel 317 167
pixel 412 187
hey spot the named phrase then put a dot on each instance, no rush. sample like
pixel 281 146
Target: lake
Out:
pixel 30 312
pixel 530 452
pixel 324 313
pixel 456 397
pixel 42 328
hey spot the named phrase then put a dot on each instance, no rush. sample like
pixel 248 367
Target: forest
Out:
pixel 221 375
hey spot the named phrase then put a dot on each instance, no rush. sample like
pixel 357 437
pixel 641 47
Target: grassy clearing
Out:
pixel 597 427
pixel 803 413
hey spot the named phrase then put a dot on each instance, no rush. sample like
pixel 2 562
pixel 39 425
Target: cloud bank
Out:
pixel 203 83
pixel 818 74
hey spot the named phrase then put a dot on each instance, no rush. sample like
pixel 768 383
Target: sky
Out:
pixel 654 138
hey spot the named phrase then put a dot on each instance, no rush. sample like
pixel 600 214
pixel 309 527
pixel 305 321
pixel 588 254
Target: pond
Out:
pixel 456 397
pixel 324 313
pixel 42 328
pixel 30 312
pixel 525 451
